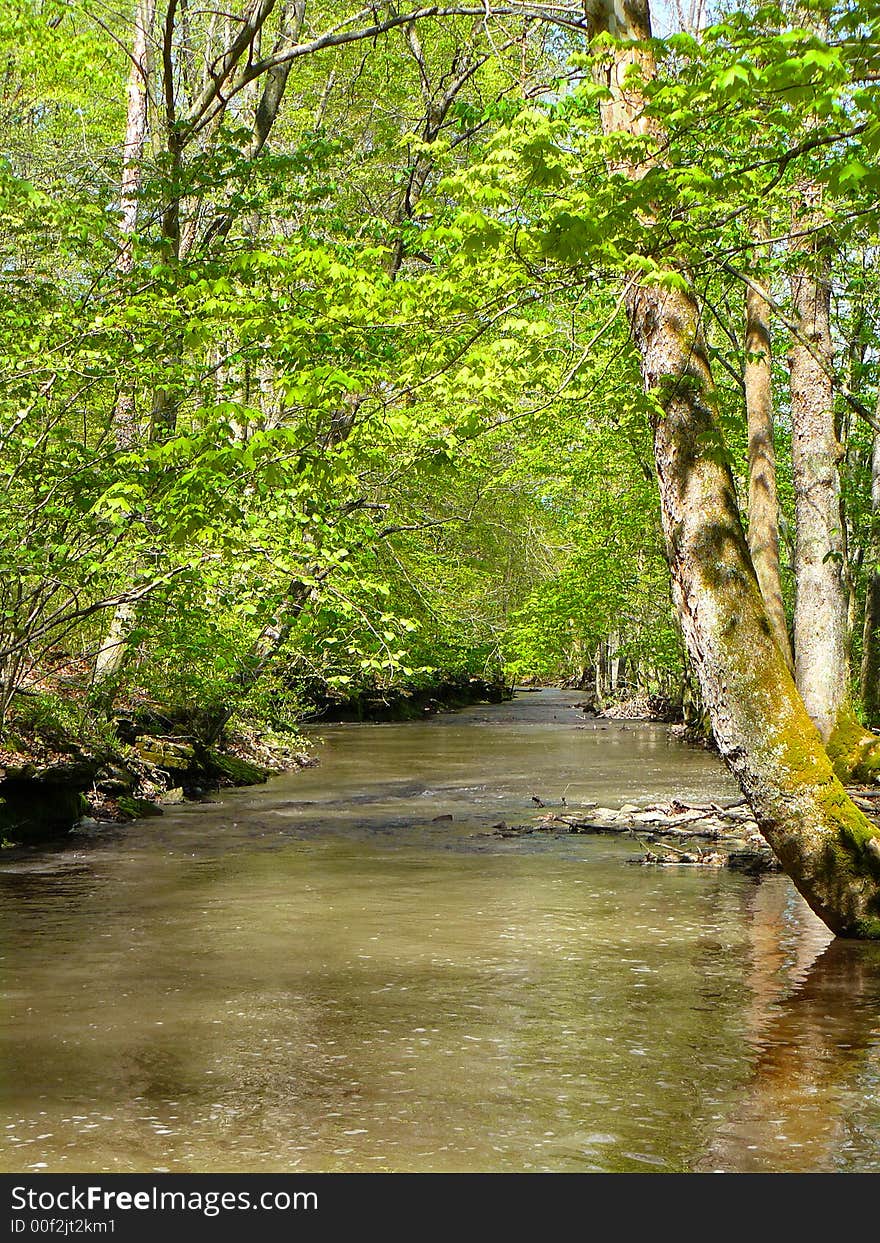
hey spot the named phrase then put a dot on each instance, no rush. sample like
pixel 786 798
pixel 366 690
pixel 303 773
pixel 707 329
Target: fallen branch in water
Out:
pixel 662 819
pixel 732 828
pixel 738 843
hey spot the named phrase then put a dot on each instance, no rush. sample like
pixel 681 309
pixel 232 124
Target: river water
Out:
pixel 320 974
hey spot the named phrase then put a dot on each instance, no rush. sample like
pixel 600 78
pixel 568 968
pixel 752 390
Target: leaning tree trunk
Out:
pixel 827 846
pixel 763 504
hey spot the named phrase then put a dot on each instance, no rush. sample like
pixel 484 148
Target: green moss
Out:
pixel 138 808
pixel 867 929
pixel 854 751
pixel 850 857
pixel 174 756
pixel 853 855
pixel 239 772
pixel 804 760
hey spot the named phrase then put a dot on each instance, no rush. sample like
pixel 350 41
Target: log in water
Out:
pixel 329 973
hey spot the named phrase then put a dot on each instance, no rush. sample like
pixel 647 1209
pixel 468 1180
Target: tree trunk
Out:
pixel 871 644
pixel 763 505
pixel 598 684
pixel 124 416
pixel 820 617
pixel 826 845
pixel 821 620
pixel 110 655
pixel 269 643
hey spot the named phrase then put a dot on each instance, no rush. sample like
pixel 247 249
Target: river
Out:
pixel 322 974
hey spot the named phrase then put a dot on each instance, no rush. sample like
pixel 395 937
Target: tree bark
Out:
pixel 826 845
pixel 871 641
pixel 125 425
pixel 821 619
pixel 821 633
pixel 763 504
pixel 111 653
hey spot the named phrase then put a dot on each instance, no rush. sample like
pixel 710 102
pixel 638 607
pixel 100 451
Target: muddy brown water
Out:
pixel 319 974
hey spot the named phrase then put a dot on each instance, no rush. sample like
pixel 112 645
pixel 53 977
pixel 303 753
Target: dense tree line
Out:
pixel 345 350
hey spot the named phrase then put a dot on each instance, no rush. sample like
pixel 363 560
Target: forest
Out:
pixel 357 357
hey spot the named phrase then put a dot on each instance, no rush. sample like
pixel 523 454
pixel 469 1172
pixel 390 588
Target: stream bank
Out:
pixel 49 784
pixel 408 703
pixel 43 797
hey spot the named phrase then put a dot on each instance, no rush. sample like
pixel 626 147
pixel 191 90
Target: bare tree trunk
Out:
pixel 124 417
pixel 268 644
pixel 763 505
pixel 827 846
pixel 598 682
pixel 822 624
pixel 615 661
pixel 820 616
pixel 821 620
pixel 871 643
pixel 111 653
pixel 109 657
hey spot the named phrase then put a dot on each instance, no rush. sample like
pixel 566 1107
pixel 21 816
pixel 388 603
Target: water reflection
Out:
pixel 318 975
pixel 812 1101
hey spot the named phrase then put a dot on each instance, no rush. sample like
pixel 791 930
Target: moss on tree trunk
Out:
pixel 824 842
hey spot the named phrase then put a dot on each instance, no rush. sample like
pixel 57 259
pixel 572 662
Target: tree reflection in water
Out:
pixel 813 1101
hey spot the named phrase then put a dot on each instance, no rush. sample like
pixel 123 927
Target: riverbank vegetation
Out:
pixel 343 352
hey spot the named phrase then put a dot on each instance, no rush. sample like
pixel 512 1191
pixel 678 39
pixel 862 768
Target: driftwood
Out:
pixel 675 819
pixel 731 828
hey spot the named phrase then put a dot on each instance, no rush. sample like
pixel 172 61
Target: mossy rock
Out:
pixel 239 772
pixel 33 812
pixel 138 808
pixel 76 773
pixel 176 756
pixel 115 778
